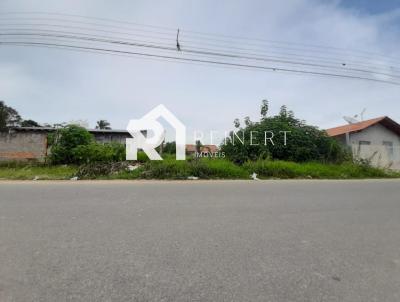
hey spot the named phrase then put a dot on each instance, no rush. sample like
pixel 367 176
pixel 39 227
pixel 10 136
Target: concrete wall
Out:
pixel 23 146
pixel 32 145
pixel 379 154
pixel 111 137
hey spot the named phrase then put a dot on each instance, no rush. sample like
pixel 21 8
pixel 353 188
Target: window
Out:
pixel 389 149
pixel 364 143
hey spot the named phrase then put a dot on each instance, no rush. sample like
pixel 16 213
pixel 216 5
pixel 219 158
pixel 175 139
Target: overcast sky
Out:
pixel 52 86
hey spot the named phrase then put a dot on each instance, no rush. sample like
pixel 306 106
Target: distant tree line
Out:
pixel 9 118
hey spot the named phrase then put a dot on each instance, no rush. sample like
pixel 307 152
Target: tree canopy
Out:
pixel 29 123
pixel 282 137
pixel 103 124
pixel 9 117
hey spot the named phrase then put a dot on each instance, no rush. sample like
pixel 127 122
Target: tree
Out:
pixel 103 124
pixel 282 137
pixel 247 121
pixel 170 147
pixel 29 123
pixel 65 140
pixel 236 123
pixel 264 108
pixel 9 117
pixel 283 111
pixel 198 146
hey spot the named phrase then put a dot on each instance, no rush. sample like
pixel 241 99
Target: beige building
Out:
pixel 376 140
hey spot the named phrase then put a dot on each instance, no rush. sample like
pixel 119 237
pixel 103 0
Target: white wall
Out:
pixel 376 151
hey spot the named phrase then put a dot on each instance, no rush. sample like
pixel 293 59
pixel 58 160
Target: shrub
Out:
pixel 65 140
pixel 98 169
pixel 75 145
pixel 304 142
pixel 95 152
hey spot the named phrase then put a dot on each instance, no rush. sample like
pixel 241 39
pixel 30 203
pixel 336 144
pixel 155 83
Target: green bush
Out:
pixel 75 145
pixel 94 152
pixel 303 142
pixel 64 141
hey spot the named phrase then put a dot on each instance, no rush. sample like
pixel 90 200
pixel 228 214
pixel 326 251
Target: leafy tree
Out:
pixel 103 124
pixel 283 111
pixel 236 123
pixel 9 117
pixel 29 123
pixel 264 108
pixel 266 139
pixel 247 121
pixel 64 141
pixel 170 148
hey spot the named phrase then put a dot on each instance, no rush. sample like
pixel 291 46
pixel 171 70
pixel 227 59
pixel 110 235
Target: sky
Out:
pixel 52 86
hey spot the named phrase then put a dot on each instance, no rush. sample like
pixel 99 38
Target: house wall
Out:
pixel 376 151
pixel 23 146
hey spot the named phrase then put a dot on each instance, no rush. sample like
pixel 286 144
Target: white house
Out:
pixel 377 140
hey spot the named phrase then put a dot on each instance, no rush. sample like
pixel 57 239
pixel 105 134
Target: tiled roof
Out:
pixel 384 120
pixel 204 148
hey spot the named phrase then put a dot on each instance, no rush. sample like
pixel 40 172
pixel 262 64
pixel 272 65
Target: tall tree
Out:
pixel 236 123
pixel 264 108
pixel 9 117
pixel 103 124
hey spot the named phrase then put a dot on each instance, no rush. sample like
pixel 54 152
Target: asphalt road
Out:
pixel 200 241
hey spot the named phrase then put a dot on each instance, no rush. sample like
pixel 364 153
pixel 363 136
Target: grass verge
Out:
pixel 40 172
pixel 169 168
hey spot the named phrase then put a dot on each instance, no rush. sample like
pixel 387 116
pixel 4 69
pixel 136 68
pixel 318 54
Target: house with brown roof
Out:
pixel 376 140
pixel 191 149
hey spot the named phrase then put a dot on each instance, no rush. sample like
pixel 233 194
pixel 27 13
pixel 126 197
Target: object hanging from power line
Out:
pixel 178 46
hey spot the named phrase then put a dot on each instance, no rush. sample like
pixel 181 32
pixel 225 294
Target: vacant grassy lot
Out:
pixel 202 168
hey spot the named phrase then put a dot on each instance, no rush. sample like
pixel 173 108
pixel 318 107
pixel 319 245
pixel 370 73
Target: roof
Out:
pixel 51 129
pixel 356 127
pixel 203 148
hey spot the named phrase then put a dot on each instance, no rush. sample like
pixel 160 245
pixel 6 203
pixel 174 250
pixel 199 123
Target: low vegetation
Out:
pixel 202 169
pixel 311 154
pixel 281 137
pixel 15 171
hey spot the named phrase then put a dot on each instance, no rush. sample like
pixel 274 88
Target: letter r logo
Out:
pixel 149 124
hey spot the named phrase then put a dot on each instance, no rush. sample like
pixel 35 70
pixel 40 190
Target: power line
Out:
pixel 266 68
pixel 108 20
pixel 344 60
pixel 37 13
pixel 72 35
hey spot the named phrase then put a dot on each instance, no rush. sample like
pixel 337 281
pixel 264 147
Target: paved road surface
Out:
pixel 200 241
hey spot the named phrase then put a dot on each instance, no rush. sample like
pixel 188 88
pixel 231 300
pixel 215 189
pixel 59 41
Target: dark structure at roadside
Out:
pixel 30 143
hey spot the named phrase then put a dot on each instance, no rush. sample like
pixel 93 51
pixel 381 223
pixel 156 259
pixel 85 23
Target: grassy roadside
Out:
pixel 203 169
pixel 41 172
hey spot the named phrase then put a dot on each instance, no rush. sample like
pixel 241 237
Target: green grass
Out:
pixel 29 172
pixel 204 168
pixel 282 169
pixel 266 169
